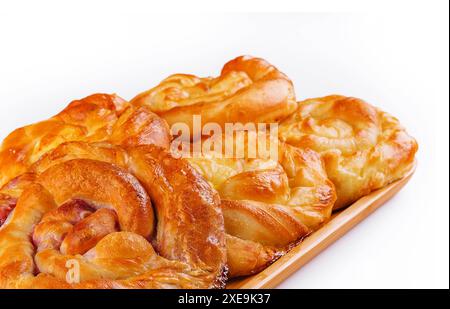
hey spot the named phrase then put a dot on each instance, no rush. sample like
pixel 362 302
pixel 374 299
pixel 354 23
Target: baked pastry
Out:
pixel 269 203
pixel 91 205
pixel 99 117
pixel 363 148
pixel 96 188
pixel 248 90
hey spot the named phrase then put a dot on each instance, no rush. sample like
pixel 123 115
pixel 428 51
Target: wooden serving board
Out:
pixel 340 224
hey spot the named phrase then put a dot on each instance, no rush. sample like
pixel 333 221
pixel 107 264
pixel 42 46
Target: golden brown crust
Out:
pixel 363 147
pixel 140 126
pixel 92 211
pixel 248 90
pixel 99 117
pixel 7 204
pixel 267 205
pixel 252 256
pixel 96 185
pixel 186 217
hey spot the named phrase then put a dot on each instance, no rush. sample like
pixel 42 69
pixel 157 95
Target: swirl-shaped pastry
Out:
pixel 363 148
pixel 99 117
pixel 269 204
pixel 248 90
pixel 91 205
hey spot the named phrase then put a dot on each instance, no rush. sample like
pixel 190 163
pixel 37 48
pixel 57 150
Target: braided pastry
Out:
pixel 99 117
pixel 268 205
pixel 96 186
pixel 363 148
pixel 91 204
pixel 248 90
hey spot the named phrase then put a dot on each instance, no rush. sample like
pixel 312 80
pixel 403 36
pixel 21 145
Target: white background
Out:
pixel 392 54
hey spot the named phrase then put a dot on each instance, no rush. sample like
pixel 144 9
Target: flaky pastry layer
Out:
pixel 248 90
pixel 363 148
pixel 95 206
pixel 269 205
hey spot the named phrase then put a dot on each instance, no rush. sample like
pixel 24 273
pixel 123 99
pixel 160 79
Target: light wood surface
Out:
pixel 340 224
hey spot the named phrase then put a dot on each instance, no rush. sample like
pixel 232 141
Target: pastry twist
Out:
pixel 99 117
pixel 268 205
pixel 92 205
pixel 95 185
pixel 248 90
pixel 363 148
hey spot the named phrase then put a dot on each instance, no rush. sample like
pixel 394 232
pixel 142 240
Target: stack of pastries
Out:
pixel 99 186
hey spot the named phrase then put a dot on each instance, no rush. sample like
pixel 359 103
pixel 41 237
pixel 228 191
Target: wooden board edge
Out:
pixel 322 238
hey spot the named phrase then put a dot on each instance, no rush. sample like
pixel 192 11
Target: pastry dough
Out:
pixel 268 205
pixel 89 203
pixel 99 117
pixel 92 205
pixel 248 90
pixel 363 148
pixel 97 187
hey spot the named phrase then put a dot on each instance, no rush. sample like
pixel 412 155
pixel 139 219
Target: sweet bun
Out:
pixel 269 204
pixel 99 117
pixel 105 187
pixel 131 217
pixel 363 148
pixel 248 90
pixel 88 119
